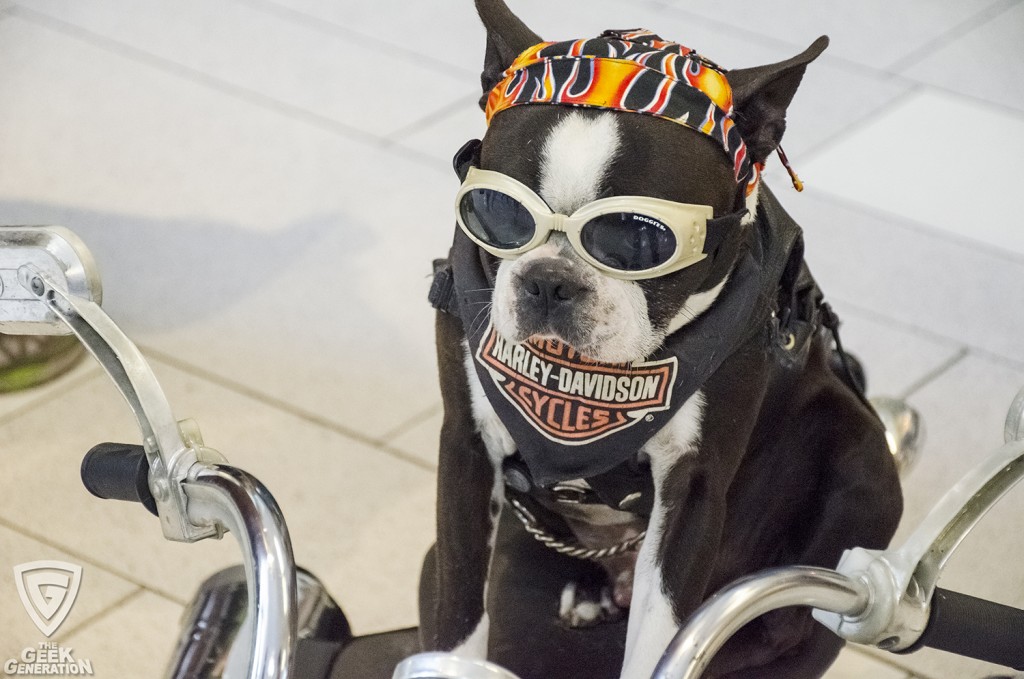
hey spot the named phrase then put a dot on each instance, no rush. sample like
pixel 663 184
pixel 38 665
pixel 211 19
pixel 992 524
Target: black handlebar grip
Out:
pixel 974 628
pixel 118 471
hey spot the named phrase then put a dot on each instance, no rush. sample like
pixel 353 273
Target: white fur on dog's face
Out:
pixel 617 328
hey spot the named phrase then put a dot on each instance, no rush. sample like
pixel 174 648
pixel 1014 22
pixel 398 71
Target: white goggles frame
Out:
pixel 687 222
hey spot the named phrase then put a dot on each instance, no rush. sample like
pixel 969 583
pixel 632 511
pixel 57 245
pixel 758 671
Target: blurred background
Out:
pixel 265 182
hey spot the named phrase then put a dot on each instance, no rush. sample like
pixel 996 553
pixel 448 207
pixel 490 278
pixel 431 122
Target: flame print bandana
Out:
pixel 633 71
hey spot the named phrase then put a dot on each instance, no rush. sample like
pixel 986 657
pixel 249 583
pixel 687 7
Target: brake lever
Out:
pixel 172 447
pixel 902 580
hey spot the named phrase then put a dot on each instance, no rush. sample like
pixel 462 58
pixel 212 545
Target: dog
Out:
pixel 632 352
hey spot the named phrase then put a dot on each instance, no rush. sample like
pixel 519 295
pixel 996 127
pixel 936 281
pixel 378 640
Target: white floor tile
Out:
pixel 875 33
pixel 421 440
pixel 883 264
pixel 446 31
pixel 442 137
pixel 964 412
pixel 327 75
pixel 464 35
pixel 832 96
pixel 457 36
pixel 360 519
pixel 987 62
pixel 13 402
pixel 894 358
pixel 99 590
pixel 136 640
pixel 938 159
pixel 263 249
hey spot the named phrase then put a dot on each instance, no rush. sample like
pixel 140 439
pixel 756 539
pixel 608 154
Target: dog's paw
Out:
pixel 580 607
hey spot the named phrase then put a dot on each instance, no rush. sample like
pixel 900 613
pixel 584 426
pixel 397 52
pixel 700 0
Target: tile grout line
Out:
pixel 935 373
pixel 284 406
pixel 924 333
pixel 71 385
pixel 913 88
pixel 931 335
pixel 966 26
pixel 395 452
pixel 694 17
pixel 239 93
pixel 120 603
pixel 438 115
pixel 840 61
pixel 85 559
pixel 174 68
pixel 1005 109
pixel 411 422
pixel 920 228
pixel 999 359
pixel 845 63
pixel 381 444
pixel 329 27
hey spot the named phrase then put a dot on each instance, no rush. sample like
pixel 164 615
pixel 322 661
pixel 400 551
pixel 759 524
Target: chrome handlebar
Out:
pixel 49 285
pixel 907 575
pixel 692 649
pixel 881 598
pixel 236 500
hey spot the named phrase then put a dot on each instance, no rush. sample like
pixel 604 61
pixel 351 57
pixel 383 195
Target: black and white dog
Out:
pixel 692 410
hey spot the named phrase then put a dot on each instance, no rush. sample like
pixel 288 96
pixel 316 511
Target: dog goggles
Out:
pixel 626 237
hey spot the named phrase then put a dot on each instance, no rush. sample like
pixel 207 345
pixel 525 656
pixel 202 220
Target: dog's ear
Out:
pixel 761 95
pixel 507 36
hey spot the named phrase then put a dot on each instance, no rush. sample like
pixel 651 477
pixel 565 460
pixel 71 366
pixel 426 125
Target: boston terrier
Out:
pixel 641 402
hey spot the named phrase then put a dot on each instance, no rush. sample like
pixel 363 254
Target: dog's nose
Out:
pixel 551 283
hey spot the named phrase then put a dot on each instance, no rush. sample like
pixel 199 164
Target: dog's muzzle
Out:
pixel 549 290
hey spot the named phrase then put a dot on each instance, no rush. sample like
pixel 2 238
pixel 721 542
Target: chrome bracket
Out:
pixel 902 580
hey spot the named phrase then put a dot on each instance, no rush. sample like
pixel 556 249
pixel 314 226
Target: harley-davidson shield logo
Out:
pixel 48 590
pixel 570 398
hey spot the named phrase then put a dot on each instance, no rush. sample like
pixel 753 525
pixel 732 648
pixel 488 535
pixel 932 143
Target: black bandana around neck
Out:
pixel 572 417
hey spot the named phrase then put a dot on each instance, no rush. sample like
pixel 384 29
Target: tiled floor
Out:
pixel 264 183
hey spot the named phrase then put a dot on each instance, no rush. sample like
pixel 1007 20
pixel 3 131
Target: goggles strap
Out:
pixel 466 157
pixel 719 228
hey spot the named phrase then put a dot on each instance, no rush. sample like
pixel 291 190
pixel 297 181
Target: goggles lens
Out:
pixel 628 241
pixel 631 237
pixel 497 219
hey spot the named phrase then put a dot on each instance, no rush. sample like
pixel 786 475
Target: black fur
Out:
pixel 763 93
pixel 792 466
